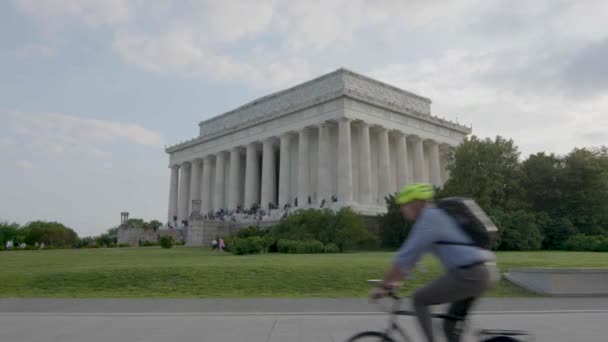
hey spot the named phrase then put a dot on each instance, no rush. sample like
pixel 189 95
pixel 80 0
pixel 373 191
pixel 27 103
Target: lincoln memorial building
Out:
pixel 342 139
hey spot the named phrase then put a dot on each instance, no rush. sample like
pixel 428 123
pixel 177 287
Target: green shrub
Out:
pixel 300 247
pixel 249 245
pixel 166 241
pixel 149 243
pixel 128 245
pixel 310 246
pixel 284 245
pixel 331 248
pixel 602 246
pixel 352 233
pixel 587 243
pixel 250 231
pixel 393 228
pixel 345 229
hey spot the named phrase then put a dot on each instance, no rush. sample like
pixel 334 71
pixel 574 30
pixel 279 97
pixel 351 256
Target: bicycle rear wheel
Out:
pixel 370 336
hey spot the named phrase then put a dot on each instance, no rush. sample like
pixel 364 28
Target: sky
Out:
pixel 91 92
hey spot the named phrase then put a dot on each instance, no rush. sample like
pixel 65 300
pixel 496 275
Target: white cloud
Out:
pixel 229 21
pixel 537 121
pixel 510 70
pixel 175 50
pixel 90 12
pixel 57 133
pixel 35 50
pixel 6 142
pixel 24 164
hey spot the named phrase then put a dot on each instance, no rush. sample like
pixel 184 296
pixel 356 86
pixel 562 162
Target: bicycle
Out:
pixel 493 335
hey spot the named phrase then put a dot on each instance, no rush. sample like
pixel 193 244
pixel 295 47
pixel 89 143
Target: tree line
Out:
pixel 545 201
pixel 53 234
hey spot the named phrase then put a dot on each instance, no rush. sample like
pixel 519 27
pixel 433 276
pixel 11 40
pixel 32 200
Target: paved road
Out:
pixel 273 320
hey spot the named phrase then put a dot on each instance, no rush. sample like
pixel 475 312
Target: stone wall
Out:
pixel 201 232
pixel 133 236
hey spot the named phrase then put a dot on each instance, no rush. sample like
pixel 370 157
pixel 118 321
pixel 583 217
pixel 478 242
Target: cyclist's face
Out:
pixel 412 210
pixel 409 210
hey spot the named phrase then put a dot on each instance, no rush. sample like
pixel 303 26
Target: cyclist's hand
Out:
pixel 377 293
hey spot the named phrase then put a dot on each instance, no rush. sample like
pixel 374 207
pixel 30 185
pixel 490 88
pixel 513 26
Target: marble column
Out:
pixel 184 191
pixel 365 175
pixel 345 164
pixel 173 191
pixel 268 174
pixel 195 181
pixel 323 177
pixel 418 159
pixel 434 163
pixel 206 205
pixel 384 171
pixel 251 177
pixel 284 171
pixel 235 179
pixel 401 160
pixel 303 168
pixel 219 201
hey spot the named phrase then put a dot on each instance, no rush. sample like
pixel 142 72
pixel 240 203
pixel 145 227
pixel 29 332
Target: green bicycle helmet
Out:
pixel 413 192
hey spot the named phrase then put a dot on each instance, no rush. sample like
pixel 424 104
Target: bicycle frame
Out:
pixel 395 312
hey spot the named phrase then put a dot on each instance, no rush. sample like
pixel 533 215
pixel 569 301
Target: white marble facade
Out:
pixel 342 138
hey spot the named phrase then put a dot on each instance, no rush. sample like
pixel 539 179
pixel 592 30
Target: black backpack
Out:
pixel 472 219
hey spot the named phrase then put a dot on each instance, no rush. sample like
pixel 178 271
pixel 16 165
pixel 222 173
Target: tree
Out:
pixel 351 231
pixel 555 230
pixel 518 231
pixel 487 171
pixel 393 227
pixel 584 184
pixel 541 181
pixel 155 224
pixel 49 233
pixel 136 223
pixel 8 232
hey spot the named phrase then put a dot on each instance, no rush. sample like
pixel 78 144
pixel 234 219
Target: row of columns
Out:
pixel 189 182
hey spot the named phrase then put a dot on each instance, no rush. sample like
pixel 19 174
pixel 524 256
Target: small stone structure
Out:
pixel 201 232
pixel 133 236
pixel 561 281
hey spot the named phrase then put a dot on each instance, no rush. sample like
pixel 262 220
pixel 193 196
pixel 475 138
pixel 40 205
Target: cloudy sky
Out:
pixel 91 91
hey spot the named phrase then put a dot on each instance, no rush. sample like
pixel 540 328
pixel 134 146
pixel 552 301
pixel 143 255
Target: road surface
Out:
pixel 275 320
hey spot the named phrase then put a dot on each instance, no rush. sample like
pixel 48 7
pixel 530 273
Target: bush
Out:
pixel 331 248
pixel 249 245
pixel 393 227
pixel 345 229
pixel 352 233
pixel 166 241
pixel 518 231
pixel 125 245
pixel 250 231
pixel 284 246
pixel 300 247
pixel 149 243
pixel 306 225
pixel 586 243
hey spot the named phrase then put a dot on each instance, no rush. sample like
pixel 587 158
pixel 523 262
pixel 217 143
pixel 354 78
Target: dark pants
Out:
pixel 461 288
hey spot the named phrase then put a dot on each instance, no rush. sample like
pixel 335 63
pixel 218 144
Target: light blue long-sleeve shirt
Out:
pixel 434 225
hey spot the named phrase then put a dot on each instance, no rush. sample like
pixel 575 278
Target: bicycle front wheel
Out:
pixel 370 336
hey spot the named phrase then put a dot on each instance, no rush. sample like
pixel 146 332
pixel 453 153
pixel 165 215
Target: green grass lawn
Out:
pixel 194 272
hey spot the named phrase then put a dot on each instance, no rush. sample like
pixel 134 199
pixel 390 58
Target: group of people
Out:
pixel 218 244
pixel 258 213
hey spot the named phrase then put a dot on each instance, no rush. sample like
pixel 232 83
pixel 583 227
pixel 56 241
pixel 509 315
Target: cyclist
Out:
pixel 469 270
